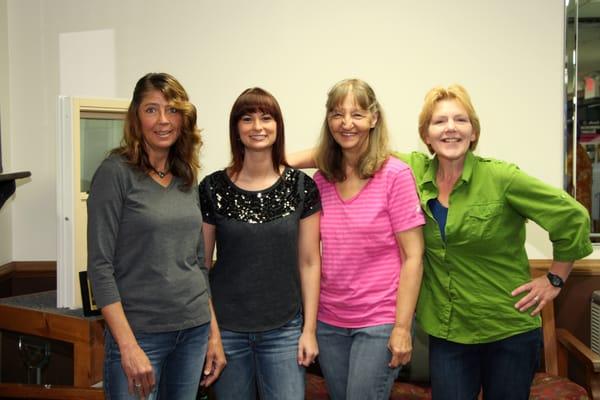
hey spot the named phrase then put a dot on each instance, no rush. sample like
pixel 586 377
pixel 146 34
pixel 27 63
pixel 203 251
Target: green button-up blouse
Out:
pixel 465 295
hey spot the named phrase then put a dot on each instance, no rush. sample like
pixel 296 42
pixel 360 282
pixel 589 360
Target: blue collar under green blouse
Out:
pixel 468 277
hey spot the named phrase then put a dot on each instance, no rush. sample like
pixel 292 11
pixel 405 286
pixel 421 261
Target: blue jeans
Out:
pixel 264 362
pixel 355 361
pixel 503 369
pixel 177 359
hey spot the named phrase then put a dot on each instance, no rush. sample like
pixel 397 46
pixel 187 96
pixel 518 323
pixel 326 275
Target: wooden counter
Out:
pixel 36 314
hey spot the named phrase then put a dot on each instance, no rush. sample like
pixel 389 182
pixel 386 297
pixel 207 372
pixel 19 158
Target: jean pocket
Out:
pixel 295 323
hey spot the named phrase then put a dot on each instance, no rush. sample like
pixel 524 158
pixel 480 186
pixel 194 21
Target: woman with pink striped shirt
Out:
pixel 372 246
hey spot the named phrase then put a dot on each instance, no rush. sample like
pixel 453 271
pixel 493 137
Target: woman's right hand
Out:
pixel 215 360
pixel 215 354
pixel 135 363
pixel 400 345
pixel 139 371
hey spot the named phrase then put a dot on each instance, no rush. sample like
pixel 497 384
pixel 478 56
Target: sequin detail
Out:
pixel 267 205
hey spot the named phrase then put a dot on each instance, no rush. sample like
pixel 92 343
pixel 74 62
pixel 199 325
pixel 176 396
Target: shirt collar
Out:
pixel 429 175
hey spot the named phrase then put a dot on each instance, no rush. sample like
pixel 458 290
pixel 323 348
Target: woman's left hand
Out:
pixel 400 345
pixel 308 349
pixel 541 292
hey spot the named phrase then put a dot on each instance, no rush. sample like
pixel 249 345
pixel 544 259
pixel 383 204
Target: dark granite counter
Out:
pixel 45 302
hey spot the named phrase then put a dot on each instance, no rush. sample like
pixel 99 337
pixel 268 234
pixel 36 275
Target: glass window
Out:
pixel 99 135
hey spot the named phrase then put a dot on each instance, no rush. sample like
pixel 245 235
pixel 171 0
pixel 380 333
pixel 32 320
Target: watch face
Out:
pixel 555 280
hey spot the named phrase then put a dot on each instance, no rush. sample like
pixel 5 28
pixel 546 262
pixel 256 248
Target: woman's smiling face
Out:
pixel 450 131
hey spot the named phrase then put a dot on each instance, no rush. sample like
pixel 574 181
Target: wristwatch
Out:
pixel 555 280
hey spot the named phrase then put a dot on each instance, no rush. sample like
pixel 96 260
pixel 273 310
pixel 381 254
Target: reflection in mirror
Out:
pixel 582 81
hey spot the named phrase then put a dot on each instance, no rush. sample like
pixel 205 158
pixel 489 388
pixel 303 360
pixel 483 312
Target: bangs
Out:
pixel 338 94
pixel 174 97
pixel 170 88
pixel 182 105
pixel 253 101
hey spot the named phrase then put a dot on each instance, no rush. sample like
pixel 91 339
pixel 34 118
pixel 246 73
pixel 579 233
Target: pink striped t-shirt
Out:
pixel 361 259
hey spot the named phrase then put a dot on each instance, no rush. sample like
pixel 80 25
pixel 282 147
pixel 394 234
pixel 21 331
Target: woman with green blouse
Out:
pixel 478 302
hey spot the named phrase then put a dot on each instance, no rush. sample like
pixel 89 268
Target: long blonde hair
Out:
pixel 329 155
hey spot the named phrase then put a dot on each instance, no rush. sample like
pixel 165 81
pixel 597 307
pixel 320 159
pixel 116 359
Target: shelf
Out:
pixel 7 184
pixel 11 176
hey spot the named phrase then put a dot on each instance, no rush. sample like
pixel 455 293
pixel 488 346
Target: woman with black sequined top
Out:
pixel 264 219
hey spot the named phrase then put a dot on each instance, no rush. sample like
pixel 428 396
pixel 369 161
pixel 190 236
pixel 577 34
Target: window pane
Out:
pixel 98 137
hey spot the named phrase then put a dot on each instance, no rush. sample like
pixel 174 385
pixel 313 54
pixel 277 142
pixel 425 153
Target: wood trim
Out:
pixel 34 266
pixel 28 267
pixel 581 267
pixel 23 391
pixel 6 270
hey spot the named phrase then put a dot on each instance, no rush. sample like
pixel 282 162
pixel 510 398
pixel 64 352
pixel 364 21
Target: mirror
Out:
pixel 582 87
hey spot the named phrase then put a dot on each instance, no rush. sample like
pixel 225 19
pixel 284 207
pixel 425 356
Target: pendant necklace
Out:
pixel 161 174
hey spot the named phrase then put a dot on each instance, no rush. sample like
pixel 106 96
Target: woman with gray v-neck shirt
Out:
pixel 145 250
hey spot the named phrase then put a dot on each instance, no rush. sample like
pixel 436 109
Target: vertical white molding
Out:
pixel 65 293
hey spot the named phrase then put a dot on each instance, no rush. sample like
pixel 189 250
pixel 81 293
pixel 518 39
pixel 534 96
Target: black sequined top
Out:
pixel 255 283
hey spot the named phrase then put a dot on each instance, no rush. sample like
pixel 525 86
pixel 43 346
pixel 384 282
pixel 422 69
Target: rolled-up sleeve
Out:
pixel 566 221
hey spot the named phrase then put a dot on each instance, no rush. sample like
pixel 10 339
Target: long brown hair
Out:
pixel 250 101
pixel 183 155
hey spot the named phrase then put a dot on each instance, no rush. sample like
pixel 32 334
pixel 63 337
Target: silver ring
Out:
pixel 536 299
pixel 138 385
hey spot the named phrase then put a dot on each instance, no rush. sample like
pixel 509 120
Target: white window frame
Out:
pixel 71 202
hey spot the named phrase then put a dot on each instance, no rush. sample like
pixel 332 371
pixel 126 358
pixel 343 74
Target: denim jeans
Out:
pixel 177 359
pixel 264 362
pixel 503 369
pixel 354 361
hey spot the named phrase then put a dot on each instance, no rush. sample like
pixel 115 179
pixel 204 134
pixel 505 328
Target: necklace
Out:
pixel 161 174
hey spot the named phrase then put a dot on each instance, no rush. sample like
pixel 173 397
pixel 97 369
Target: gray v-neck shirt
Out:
pixel 145 249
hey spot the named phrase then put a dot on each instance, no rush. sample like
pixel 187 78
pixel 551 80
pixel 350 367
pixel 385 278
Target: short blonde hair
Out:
pixel 329 156
pixel 453 92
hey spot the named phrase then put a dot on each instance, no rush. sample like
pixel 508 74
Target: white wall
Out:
pixel 508 53
pixel 6 211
